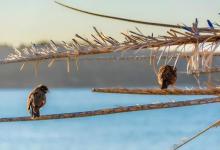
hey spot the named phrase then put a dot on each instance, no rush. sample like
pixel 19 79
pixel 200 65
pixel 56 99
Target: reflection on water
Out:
pixel 153 130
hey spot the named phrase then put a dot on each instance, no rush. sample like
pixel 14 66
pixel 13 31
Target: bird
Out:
pixel 36 100
pixel 167 75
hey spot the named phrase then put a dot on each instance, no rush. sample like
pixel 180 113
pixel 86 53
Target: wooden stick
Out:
pixel 213 91
pixel 117 110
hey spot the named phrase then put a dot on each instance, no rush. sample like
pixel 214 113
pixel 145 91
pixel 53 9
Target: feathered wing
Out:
pixel 160 75
pixel 29 101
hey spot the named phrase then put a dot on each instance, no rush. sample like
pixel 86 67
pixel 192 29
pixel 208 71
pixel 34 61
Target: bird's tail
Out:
pixel 164 85
pixel 35 112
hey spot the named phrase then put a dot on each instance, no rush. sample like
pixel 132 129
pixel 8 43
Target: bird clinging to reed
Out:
pixel 166 76
pixel 36 100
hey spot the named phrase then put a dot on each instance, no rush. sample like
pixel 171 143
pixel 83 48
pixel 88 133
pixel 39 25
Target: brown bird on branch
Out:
pixel 166 76
pixel 36 100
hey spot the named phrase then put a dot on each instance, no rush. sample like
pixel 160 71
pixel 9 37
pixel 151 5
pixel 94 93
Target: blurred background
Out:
pixel 25 22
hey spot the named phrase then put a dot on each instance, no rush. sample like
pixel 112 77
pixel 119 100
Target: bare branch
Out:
pixel 117 110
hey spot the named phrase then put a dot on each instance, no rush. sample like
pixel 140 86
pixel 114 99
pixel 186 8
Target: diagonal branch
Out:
pixel 216 124
pixel 117 110
pixel 118 18
pixel 131 20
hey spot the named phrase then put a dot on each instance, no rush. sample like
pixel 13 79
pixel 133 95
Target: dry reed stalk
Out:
pixel 22 67
pixel 133 42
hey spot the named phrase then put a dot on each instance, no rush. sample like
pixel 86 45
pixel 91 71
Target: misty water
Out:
pixel 143 130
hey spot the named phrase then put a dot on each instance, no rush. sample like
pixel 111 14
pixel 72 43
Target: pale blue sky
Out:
pixel 26 21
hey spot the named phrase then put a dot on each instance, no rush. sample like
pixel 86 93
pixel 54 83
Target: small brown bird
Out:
pixel 36 100
pixel 166 76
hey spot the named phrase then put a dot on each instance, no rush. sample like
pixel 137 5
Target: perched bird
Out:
pixel 36 100
pixel 166 76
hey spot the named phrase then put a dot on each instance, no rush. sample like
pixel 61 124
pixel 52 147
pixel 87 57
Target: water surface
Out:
pixel 144 130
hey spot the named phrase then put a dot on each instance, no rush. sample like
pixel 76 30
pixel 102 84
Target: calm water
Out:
pixel 144 130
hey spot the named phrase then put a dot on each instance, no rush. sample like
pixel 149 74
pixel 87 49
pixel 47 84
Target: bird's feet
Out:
pixel 35 117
